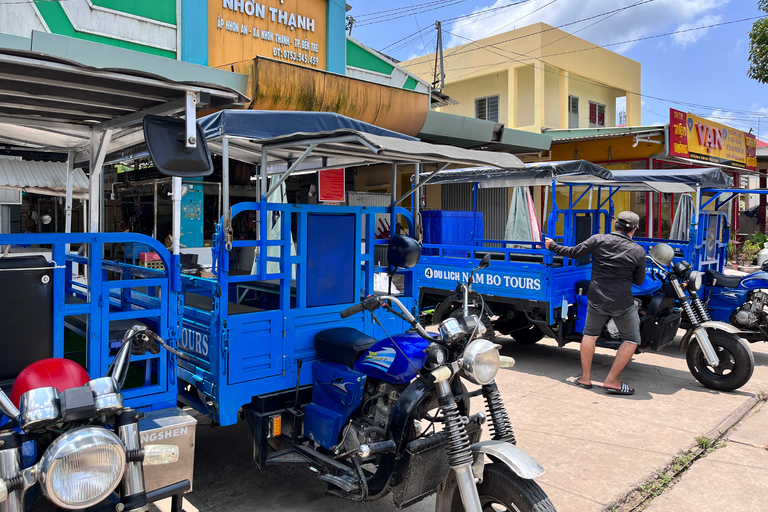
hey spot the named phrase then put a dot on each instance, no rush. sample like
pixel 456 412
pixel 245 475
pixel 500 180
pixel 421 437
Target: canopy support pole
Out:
pixel 99 143
pixel 290 170
pixel 415 201
pixel 68 200
pixel 392 215
pixel 176 214
pixel 418 185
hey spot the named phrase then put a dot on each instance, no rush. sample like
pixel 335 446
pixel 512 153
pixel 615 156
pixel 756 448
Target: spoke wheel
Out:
pixel 736 362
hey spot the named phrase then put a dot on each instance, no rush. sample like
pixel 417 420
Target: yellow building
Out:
pixel 536 77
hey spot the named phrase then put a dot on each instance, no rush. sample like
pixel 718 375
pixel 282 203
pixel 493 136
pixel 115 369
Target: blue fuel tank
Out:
pixel 394 364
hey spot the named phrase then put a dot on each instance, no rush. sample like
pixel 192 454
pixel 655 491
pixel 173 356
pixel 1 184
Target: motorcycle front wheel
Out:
pixel 736 362
pixel 502 491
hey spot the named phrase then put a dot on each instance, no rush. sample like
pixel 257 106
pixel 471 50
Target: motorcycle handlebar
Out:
pixel 370 303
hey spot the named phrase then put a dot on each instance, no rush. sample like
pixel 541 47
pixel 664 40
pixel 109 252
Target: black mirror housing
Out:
pixel 485 262
pixel 165 138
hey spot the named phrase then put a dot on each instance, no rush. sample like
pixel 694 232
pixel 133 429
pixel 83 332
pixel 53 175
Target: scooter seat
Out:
pixel 723 280
pixel 343 345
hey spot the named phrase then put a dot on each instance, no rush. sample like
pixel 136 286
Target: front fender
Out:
pixel 721 326
pixel 514 457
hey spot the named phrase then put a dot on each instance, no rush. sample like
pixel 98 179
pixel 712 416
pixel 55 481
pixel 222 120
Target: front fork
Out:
pixel 134 495
pixel 698 315
pixel 459 450
pixel 10 472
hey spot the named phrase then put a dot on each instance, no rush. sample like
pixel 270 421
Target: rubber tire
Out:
pixel 502 486
pixel 726 342
pixel 490 333
pixel 528 336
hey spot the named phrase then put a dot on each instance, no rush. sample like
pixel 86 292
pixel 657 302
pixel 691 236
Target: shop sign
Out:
pixel 697 138
pixel 331 186
pixel 289 30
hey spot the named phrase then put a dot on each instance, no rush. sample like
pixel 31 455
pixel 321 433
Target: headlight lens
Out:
pixel 695 279
pixel 82 467
pixel 481 361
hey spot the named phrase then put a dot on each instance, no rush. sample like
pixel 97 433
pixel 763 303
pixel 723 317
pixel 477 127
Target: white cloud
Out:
pixel 656 16
pixel 685 38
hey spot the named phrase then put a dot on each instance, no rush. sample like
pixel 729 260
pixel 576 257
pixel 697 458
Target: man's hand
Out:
pixel 548 243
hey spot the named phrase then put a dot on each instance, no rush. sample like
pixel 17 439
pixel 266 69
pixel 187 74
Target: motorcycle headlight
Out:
pixel 3 491
pixel 82 467
pixel 481 361
pixel 695 279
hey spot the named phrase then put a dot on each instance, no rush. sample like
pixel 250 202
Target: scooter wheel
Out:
pixel 736 362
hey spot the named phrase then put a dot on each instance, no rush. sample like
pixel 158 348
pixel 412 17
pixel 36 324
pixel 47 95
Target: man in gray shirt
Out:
pixel 617 263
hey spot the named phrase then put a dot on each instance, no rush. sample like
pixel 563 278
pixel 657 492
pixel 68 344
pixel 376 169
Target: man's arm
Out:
pixel 639 277
pixel 577 251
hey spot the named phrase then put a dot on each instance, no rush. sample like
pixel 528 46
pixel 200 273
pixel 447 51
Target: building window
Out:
pixel 487 108
pixel 596 115
pixel 573 111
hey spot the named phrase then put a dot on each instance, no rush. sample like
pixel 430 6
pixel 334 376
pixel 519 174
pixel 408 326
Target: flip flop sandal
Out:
pixel 623 390
pixel 585 386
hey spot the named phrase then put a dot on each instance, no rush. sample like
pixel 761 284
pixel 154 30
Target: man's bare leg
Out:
pixel 623 356
pixel 587 353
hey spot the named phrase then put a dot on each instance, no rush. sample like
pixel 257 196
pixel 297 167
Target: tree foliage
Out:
pixel 758 47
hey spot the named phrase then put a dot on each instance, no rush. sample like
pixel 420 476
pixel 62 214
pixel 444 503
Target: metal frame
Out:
pixel 88 112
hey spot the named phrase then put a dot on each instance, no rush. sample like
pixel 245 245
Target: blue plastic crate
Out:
pixel 443 227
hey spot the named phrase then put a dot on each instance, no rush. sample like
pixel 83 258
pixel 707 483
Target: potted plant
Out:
pixel 749 251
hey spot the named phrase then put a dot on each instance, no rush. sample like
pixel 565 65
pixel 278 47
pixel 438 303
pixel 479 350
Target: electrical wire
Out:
pixel 541 31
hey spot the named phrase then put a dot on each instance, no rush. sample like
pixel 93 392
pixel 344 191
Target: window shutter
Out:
pixel 481 108
pixel 601 115
pixel 493 109
pixel 592 113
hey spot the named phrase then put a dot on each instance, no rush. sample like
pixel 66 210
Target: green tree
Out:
pixel 758 47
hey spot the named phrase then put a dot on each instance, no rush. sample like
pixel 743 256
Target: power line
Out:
pixel 587 81
pixel 538 32
pixel 396 9
pixel 385 18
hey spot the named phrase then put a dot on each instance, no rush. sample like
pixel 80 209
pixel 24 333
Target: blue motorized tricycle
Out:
pixel 531 293
pixel 329 372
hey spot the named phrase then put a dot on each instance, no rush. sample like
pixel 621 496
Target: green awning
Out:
pixel 577 134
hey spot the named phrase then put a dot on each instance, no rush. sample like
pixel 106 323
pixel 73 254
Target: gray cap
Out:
pixel 628 219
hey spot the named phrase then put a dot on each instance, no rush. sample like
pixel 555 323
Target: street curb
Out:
pixel 737 415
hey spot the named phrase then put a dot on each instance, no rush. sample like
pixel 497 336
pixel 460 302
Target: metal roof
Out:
pixel 47 178
pixel 55 90
pixel 581 134
pixel 335 140
pixel 468 132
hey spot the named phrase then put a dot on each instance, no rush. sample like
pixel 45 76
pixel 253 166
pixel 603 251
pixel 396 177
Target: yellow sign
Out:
pixel 701 139
pixel 293 31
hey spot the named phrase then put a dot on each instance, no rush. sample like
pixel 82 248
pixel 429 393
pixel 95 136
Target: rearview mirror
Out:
pixel 165 138
pixel 485 262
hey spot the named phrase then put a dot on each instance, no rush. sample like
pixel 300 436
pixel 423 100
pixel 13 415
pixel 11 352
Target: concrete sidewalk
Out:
pixel 733 477
pixel 596 447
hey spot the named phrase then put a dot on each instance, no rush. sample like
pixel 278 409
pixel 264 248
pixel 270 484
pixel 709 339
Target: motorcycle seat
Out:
pixel 723 280
pixel 343 345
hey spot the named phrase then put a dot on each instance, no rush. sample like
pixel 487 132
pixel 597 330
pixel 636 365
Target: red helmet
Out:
pixel 48 373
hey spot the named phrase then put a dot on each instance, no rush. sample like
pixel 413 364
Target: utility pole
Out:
pixel 441 81
pixel 350 22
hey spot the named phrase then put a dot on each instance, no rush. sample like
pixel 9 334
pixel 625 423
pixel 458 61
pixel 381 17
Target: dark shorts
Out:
pixel 627 322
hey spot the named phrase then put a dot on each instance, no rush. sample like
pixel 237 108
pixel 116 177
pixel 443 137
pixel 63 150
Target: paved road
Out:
pixel 595 447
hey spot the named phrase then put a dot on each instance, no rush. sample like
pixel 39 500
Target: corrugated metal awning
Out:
pixel 46 178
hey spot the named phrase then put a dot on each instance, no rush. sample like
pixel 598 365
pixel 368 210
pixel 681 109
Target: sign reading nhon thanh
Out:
pixel 698 138
pixel 293 31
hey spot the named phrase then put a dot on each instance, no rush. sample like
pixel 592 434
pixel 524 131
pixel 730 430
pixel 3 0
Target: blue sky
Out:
pixel 702 71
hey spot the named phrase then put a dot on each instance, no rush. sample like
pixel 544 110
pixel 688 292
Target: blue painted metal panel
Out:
pixel 336 392
pixel 192 214
pixel 336 61
pixel 332 242
pixel 257 351
pixel 194 31
pixel 116 291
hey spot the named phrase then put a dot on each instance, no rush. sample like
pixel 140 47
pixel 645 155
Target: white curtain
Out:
pixel 522 223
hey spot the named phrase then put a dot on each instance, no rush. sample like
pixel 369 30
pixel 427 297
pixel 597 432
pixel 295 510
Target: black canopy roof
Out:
pixel 538 173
